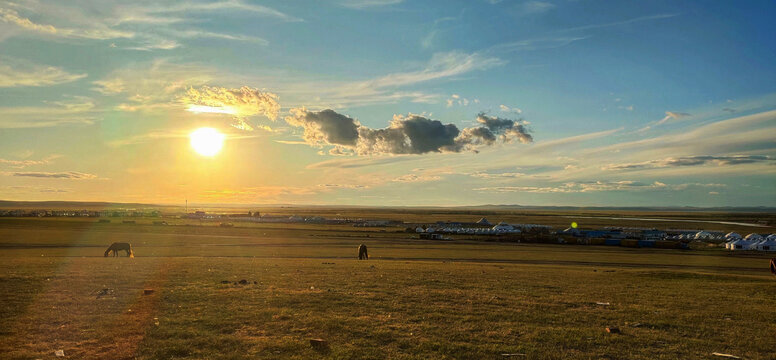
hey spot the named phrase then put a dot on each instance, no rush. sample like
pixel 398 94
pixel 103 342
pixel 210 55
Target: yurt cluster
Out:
pixel 751 242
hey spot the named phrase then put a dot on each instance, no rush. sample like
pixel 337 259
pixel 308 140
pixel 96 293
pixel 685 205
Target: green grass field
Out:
pixel 412 300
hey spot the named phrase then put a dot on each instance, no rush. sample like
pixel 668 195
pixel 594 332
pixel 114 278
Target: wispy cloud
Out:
pixel 415 178
pixel 672 115
pixel 389 88
pixel 137 26
pixel 364 4
pixel 73 175
pixel 155 85
pixel 25 163
pixel 441 65
pixel 94 30
pixel 535 7
pixel 692 161
pixel 78 110
pixel 598 186
pixel 619 23
pixel 17 72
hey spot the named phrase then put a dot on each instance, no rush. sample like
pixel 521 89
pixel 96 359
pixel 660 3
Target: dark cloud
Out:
pixel 509 130
pixel 411 134
pixel 478 135
pixel 325 127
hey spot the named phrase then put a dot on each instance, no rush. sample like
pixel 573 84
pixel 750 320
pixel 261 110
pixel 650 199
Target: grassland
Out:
pixel 412 300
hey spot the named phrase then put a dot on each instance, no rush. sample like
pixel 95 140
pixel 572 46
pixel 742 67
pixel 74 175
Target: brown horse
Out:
pixel 773 266
pixel 362 254
pixel 116 247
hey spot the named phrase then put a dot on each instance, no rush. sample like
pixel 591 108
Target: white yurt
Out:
pixel 753 237
pixel 737 245
pixel 703 235
pixel 752 240
pixel 419 229
pixel 769 244
pixel 732 235
pixel 503 227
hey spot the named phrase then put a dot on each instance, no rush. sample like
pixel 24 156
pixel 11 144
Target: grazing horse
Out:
pixel 362 254
pixel 773 266
pixel 116 247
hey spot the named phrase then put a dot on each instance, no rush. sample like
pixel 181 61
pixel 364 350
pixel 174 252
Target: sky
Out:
pixel 390 102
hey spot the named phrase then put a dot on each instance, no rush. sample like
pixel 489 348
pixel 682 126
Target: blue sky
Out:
pixel 390 102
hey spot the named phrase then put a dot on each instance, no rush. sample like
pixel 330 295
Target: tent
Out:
pixel 484 221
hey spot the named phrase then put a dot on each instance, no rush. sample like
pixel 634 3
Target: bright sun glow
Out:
pixel 212 109
pixel 207 141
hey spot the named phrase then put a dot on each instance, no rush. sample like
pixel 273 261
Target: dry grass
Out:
pixel 410 301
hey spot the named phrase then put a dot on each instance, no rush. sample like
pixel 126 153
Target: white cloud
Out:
pixel 505 108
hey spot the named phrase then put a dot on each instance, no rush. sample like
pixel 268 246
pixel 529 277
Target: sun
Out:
pixel 207 141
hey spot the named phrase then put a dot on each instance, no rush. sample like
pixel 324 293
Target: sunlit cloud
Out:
pixel 240 103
